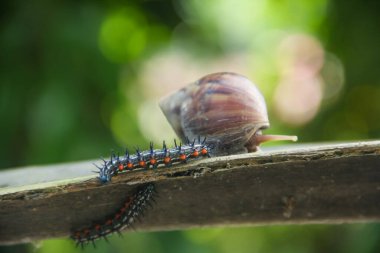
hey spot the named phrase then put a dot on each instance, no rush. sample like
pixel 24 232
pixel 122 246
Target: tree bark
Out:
pixel 319 184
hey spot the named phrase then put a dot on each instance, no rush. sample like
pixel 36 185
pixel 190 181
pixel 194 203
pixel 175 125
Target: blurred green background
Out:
pixel 80 78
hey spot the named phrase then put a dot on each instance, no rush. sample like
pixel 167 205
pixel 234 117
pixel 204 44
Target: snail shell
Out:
pixel 227 108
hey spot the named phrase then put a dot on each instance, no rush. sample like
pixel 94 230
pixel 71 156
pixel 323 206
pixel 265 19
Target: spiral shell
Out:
pixel 225 107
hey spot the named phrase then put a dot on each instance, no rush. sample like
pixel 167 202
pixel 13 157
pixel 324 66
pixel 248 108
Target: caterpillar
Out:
pixel 153 158
pixel 133 207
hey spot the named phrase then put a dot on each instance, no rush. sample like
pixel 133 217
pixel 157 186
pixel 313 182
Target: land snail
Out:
pixel 225 107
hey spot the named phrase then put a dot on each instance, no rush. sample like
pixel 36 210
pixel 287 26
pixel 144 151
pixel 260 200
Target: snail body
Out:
pixel 225 107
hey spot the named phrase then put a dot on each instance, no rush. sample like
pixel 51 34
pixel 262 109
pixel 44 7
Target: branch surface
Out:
pixel 319 184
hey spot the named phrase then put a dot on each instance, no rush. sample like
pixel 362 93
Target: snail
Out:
pixel 225 107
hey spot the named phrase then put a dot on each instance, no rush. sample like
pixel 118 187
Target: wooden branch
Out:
pixel 319 184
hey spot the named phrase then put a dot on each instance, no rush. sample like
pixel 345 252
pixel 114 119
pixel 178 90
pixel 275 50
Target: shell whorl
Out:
pixel 226 107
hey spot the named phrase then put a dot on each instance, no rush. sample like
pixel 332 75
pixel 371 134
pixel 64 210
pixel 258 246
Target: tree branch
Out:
pixel 319 184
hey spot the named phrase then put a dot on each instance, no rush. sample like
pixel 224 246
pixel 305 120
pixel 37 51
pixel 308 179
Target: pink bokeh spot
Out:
pixel 299 93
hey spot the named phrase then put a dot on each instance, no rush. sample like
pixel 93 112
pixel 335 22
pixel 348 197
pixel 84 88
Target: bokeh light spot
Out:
pixel 300 90
pixel 123 36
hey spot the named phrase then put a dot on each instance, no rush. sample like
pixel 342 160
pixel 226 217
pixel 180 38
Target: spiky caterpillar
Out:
pixel 127 214
pixel 153 158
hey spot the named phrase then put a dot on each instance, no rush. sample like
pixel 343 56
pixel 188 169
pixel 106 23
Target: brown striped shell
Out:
pixel 225 107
